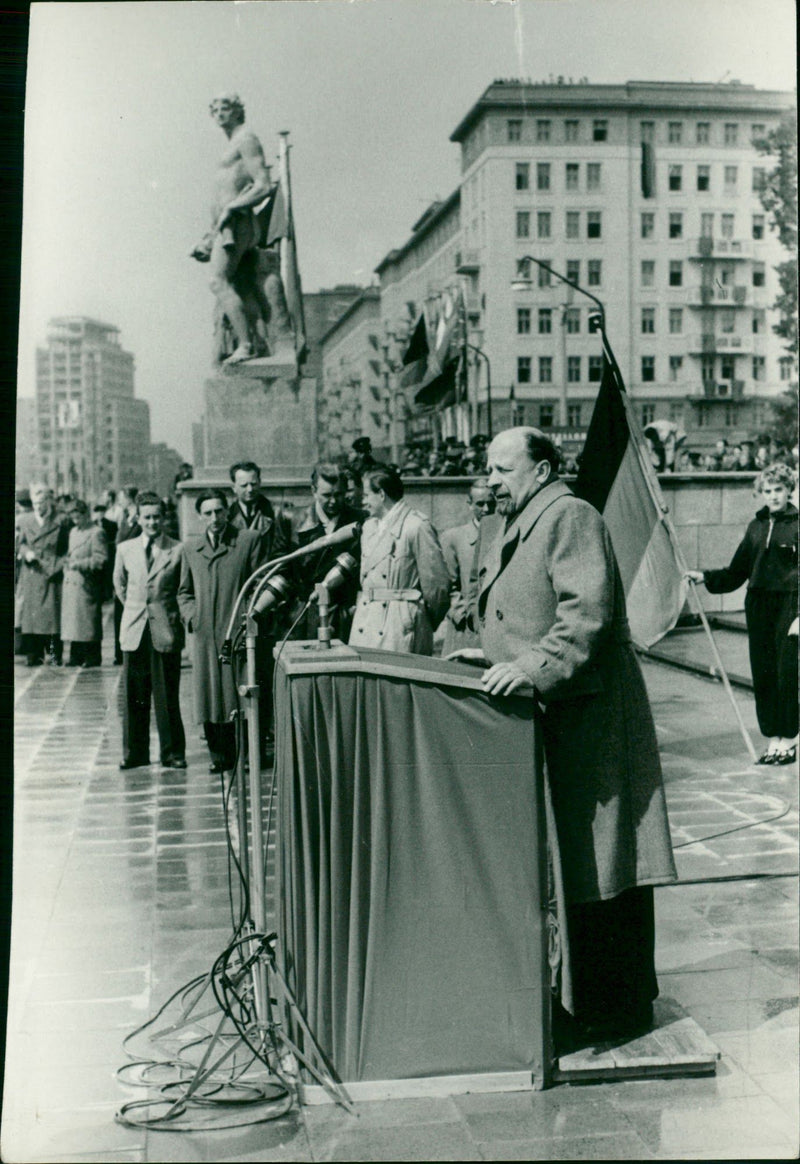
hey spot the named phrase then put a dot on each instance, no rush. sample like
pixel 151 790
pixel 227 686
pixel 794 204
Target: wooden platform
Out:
pixel 677 1046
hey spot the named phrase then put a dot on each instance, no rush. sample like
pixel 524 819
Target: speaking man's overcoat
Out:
pixel 150 596
pixel 405 587
pixel 549 597
pixel 40 582
pixel 82 595
pixel 206 596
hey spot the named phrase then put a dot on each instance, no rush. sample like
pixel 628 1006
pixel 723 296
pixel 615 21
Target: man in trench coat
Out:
pixel 42 542
pixel 550 611
pixel 219 561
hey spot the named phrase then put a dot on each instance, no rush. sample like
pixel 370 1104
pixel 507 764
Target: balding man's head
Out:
pixel 520 460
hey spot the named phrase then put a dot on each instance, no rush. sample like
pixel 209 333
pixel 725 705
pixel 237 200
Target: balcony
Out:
pixel 709 343
pixel 467 262
pixel 721 390
pixel 712 295
pixel 721 248
pixel 472 305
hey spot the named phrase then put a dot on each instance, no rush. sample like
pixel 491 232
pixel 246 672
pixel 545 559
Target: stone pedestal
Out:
pixel 260 411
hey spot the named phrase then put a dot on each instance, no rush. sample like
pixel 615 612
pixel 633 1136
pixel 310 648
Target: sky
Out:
pixel 120 150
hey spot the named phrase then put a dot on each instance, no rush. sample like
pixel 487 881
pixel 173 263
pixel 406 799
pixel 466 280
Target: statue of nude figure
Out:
pixel 238 267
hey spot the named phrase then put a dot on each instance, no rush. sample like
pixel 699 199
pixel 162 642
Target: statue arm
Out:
pixel 252 158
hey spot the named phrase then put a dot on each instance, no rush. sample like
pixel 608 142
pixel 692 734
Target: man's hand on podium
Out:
pixel 500 679
pixel 472 655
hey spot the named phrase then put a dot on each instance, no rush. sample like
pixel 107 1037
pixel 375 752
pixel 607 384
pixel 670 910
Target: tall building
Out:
pixel 163 464
pixel 355 399
pixel 27 466
pixel 92 431
pixel 647 195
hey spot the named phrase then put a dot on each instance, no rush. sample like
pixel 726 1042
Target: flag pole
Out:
pixel 665 518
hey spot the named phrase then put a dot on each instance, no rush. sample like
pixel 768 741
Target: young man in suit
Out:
pixel 127 528
pixel 458 547
pixel 147 574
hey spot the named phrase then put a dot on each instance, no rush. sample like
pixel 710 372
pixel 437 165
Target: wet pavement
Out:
pixel 121 895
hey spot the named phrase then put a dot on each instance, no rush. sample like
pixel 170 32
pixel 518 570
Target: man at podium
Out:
pixel 550 610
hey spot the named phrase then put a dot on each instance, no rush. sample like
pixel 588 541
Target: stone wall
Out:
pixel 709 510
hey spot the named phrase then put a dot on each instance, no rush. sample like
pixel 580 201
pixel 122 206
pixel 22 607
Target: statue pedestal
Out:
pixel 262 411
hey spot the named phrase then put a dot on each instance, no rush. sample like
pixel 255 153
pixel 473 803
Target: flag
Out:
pixel 616 477
pixel 415 357
pixel 276 224
pixel 648 170
pixel 440 377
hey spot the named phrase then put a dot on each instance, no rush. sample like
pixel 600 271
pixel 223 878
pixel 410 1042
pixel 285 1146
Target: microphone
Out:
pixel 273 592
pixel 338 537
pixel 343 568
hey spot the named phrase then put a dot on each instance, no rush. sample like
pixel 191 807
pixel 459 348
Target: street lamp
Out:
pixel 481 354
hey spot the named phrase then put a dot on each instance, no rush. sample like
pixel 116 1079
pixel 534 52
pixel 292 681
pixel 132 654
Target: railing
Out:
pixel 722 390
pixel 721 248
pixel 467 262
pixel 712 295
pixel 708 343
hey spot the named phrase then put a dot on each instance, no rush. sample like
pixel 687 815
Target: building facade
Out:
pixel 163 464
pixel 26 467
pixel 355 399
pixel 647 195
pixel 92 431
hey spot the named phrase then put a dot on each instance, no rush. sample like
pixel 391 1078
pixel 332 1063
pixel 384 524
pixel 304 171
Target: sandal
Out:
pixel 768 757
pixel 786 756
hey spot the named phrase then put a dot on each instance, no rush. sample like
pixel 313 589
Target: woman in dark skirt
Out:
pixel 767 560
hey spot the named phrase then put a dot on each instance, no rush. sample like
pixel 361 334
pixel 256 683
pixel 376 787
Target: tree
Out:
pixel 778 196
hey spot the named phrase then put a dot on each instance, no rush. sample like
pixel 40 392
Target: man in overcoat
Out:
pixel 458 547
pixel 147 573
pixel 220 560
pixel 551 613
pixel 42 541
pixel 405 587
pixel 82 593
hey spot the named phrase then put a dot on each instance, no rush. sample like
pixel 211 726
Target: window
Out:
pixel 593 224
pixel 573 370
pixel 523 320
pixel 648 369
pixel 759 368
pixel 543 224
pixel 523 369
pixel 759 178
pixel 648 225
pixel 725 276
pixel 785 367
pixel 572 169
pixel 707 369
pixel 522 174
pixel 574 415
pixel 730 415
pixel 595 368
pixel 573 224
pixel 676 177
pixel 600 131
pixel 731 177
pixel 759 322
pixel 543 130
pixel 727 322
pixel 546 413
pixel 676 273
pixel 572 320
pixel 731 133
pixel 648 320
pixel 594 268
pixel 571 131
pixel 544 276
pixel 647 132
pixel 574 270
pixel 514 130
pixel 593 176
pixel 523 224
pixel 758 226
pixel 545 321
pixel 675 132
pixel 757 131
pixel 707 225
pixel 648 272
pixel 727 225
pixel 676 225
pixel 702 416
pixel 727 366
pixel 675 320
pixel 704 178
pixel 759 275
pixel 675 365
pixel 648 414
pixel 702 132
pixel 543 176
pixel 545 369
pixel 523 269
pixel 518 414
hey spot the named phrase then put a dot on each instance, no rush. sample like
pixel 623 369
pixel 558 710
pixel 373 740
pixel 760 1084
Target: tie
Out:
pixel 148 554
pixel 213 539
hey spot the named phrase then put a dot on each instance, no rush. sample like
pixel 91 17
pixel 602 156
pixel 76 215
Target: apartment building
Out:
pixel 92 431
pixel 647 195
pixel 355 398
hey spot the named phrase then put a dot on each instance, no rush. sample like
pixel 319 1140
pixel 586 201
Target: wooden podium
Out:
pixel 411 873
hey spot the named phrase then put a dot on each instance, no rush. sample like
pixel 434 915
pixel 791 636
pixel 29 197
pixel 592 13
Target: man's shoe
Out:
pixel 127 765
pixel 34 661
pixel 215 767
pixel 174 762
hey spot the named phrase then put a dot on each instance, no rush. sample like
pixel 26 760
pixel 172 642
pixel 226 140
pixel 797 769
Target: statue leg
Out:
pixel 280 328
pixel 224 264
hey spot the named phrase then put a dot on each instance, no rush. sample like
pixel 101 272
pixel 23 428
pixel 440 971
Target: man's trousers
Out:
pixel 147 674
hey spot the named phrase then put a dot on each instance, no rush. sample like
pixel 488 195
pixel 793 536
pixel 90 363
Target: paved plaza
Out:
pixel 121 895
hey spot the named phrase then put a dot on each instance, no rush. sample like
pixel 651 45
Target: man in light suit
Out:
pixel 551 615
pixel 147 574
pixel 458 547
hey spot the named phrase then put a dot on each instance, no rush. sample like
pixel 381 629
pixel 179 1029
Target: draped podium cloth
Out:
pixel 411 866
